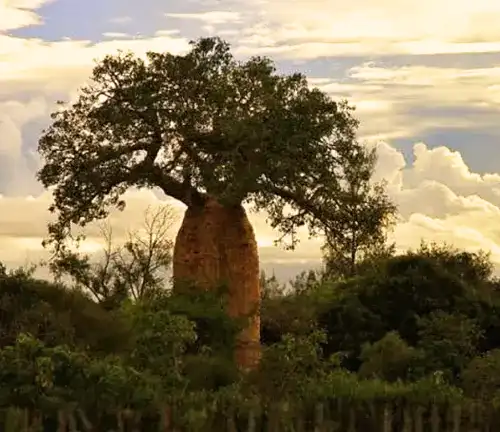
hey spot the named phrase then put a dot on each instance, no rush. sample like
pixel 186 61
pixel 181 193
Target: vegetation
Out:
pixel 374 341
pixel 411 343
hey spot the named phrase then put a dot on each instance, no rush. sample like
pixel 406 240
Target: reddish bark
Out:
pixel 216 245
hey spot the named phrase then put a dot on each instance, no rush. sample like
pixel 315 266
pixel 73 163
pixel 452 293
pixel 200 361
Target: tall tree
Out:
pixel 214 133
pixel 357 229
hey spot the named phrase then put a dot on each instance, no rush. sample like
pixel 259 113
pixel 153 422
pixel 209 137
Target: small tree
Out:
pixel 270 286
pixel 136 269
pixel 363 215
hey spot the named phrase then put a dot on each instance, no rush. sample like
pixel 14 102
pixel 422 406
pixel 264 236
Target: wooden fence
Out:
pixel 328 416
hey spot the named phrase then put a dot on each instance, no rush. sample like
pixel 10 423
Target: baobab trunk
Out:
pixel 216 245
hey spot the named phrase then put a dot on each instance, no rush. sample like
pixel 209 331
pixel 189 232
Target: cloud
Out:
pixel 322 28
pixel 116 35
pixel 440 199
pixel 405 101
pixel 121 20
pixel 478 87
pixel 215 22
pixel 15 14
pixel 34 74
pixel 16 161
pixel 212 17
pixel 63 65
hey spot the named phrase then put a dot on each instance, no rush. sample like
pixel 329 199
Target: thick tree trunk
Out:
pixel 216 244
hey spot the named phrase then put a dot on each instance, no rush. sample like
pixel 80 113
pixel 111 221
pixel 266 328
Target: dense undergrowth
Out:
pixel 411 343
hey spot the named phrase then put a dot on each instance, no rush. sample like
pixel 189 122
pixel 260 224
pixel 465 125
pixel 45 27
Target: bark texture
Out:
pixel 216 244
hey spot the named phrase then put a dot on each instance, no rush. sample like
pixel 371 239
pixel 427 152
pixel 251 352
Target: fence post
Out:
pixel 252 426
pixel 300 421
pixel 119 421
pixel 407 420
pixel 352 419
pixel 13 420
pixel 419 424
pixel 456 417
pixel 231 424
pixel 435 419
pixel 72 423
pixel 87 425
pixel 62 421
pixel 319 418
pixel 25 420
pixel 387 418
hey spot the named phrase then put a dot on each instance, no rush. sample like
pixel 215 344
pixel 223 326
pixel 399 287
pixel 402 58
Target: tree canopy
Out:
pixel 196 124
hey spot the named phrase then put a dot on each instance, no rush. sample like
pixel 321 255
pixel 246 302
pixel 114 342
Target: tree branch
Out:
pixel 305 205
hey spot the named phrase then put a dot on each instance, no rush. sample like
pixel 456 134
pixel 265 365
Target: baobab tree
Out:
pixel 214 133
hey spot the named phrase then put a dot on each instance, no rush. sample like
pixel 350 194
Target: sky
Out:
pixel 424 76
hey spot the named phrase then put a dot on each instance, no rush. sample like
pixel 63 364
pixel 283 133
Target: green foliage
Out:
pixel 474 268
pixel 160 340
pixel 50 378
pixel 357 233
pixel 389 359
pixel 56 315
pixel 337 351
pixel 291 310
pixel 289 365
pixel 481 377
pixel 215 330
pixel 400 292
pixel 449 341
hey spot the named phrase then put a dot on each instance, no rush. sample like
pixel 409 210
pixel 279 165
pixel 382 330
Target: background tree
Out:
pixel 137 269
pixel 403 292
pixel 270 286
pixel 363 216
pixel 214 133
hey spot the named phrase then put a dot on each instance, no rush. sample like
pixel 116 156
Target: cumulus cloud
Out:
pixel 440 199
